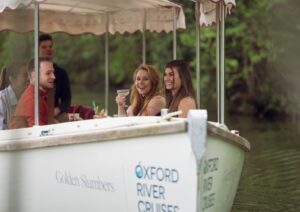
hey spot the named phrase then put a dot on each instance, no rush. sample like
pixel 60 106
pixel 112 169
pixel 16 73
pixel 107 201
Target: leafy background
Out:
pixel 261 65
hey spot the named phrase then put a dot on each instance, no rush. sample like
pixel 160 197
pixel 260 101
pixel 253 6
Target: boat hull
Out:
pixel 148 167
pixel 220 172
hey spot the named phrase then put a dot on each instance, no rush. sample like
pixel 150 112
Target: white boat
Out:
pixel 144 164
pixel 121 164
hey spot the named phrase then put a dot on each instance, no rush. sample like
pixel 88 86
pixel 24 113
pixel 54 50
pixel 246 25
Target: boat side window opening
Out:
pixel 146 95
pixel 14 80
pixel 178 87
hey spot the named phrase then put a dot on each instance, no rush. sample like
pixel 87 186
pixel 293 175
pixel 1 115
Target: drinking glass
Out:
pixel 123 92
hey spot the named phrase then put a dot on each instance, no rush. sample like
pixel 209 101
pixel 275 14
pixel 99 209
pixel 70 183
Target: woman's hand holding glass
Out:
pixel 121 97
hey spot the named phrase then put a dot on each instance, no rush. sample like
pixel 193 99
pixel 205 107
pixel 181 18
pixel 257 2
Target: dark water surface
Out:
pixel 271 176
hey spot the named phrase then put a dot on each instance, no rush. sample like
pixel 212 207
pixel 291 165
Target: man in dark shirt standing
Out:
pixel 62 82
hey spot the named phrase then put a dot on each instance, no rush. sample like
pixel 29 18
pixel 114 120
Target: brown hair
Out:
pixel 12 70
pixel 44 37
pixel 138 102
pixel 186 89
pixel 30 64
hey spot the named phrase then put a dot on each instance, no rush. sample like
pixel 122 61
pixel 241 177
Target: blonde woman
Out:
pixel 145 98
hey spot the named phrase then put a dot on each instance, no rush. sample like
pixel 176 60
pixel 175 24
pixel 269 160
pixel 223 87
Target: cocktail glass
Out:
pixel 123 92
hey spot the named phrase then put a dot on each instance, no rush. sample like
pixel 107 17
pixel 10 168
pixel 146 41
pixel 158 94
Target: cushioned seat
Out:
pixel 85 112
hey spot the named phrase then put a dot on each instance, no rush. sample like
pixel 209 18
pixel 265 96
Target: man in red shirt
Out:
pixel 25 109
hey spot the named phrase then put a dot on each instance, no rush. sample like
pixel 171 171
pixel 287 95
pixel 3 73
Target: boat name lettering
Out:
pixel 145 206
pixel 83 181
pixel 157 173
pixel 208 201
pixel 155 191
pixel 211 165
pixel 208 183
pixel 67 178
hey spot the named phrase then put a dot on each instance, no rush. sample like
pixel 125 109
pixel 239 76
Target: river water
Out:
pixel 271 176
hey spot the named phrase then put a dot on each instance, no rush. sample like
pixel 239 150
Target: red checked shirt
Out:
pixel 25 107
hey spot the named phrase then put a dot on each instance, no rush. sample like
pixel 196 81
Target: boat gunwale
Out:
pixel 127 131
pixel 97 135
pixel 230 137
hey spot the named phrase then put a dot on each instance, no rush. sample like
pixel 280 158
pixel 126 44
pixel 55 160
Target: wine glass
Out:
pixel 124 93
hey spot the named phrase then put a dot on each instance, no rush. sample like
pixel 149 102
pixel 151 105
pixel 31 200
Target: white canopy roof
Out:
pixel 208 10
pixel 90 16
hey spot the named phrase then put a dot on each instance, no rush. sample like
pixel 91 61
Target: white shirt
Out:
pixel 8 103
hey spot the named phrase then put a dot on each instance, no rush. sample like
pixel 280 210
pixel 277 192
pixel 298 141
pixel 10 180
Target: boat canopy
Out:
pixel 208 10
pixel 91 16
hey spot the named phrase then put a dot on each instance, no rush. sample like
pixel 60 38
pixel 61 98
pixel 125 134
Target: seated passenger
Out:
pixel 25 107
pixel 62 91
pixel 15 81
pixel 145 98
pixel 178 87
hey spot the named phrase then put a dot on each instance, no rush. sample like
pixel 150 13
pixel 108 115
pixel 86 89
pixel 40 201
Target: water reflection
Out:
pixel 270 179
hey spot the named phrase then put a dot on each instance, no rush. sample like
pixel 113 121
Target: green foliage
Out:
pixel 15 46
pixel 124 58
pixel 82 56
pixel 254 50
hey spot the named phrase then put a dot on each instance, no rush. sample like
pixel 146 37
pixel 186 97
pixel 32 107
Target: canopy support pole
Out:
pixel 197 14
pixel 144 36
pixel 36 63
pixel 220 61
pixel 174 34
pixel 106 64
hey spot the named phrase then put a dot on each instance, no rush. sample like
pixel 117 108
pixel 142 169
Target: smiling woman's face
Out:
pixel 172 80
pixel 142 82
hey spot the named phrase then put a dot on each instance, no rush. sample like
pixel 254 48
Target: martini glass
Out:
pixel 124 93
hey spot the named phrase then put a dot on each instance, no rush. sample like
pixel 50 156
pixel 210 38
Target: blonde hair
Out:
pixel 139 103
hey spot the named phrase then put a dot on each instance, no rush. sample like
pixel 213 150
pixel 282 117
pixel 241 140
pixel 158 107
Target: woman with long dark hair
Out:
pixel 178 88
pixel 146 98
